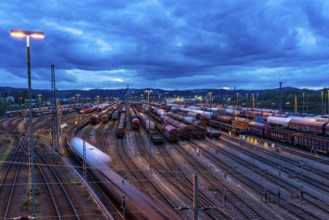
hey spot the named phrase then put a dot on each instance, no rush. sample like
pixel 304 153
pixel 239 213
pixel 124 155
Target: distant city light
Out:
pixel 226 88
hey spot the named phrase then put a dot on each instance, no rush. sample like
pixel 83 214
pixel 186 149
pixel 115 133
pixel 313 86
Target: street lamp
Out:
pixel 322 110
pixel 209 95
pixel 39 95
pixel 328 105
pixel 20 101
pixel 78 95
pixel 253 100
pixel 148 91
pixel 37 35
pixel 303 101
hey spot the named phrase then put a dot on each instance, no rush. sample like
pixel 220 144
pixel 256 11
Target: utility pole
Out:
pixel 322 104
pixel 195 197
pixel 295 103
pixel 149 131
pixel 237 100
pixel 209 96
pixel 84 164
pixel 303 102
pixel 328 105
pixel 39 96
pixel 280 97
pixel 253 100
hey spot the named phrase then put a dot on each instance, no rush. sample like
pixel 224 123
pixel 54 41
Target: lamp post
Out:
pixel 209 94
pixel 328 105
pixel 39 98
pixel 78 95
pixel 303 101
pixel 253 100
pixel 20 102
pixel 37 35
pixel 148 91
pixel 322 110
pixel 97 99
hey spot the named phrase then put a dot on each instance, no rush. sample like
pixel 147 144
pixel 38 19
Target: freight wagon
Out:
pixel 149 126
pixel 171 133
pixel 121 126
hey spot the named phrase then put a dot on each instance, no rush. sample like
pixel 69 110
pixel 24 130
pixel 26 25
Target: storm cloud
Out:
pixel 167 44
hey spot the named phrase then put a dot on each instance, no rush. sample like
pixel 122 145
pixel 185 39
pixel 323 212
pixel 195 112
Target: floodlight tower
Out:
pixel 27 35
pixel 55 138
pixel 148 91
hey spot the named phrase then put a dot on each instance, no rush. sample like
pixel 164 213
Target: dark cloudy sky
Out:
pixel 168 44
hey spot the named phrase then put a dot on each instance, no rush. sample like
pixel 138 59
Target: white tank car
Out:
pixel 278 121
pixel 138 205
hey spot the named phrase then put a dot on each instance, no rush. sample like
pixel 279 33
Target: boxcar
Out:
pixel 281 135
pixel 313 127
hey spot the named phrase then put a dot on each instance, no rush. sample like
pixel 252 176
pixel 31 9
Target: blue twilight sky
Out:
pixel 167 44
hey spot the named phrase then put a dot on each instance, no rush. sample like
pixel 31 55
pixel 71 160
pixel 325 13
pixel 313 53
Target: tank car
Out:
pixel 156 137
pixel 184 130
pixel 120 129
pixel 105 118
pixel 171 133
pixel 146 122
pixel 257 128
pixel 278 121
pixel 225 119
pixel 94 119
pixel 115 115
pixel 134 122
pixel 138 205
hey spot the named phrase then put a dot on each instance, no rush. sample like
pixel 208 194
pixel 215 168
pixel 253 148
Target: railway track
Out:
pixel 142 179
pixel 174 174
pixel 8 185
pixel 320 181
pixel 291 207
pixel 179 184
pixel 308 197
pixel 62 203
pixel 239 207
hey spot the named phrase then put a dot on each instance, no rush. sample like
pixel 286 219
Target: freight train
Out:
pixel 301 132
pixel 121 126
pixel 103 116
pixel 298 139
pixel 134 121
pixel 149 126
pixel 138 205
pixel 187 126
